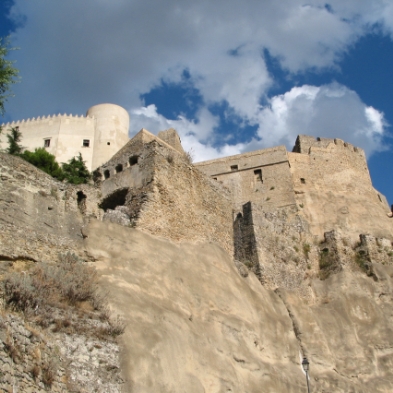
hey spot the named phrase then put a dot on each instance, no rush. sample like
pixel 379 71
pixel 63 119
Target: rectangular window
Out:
pixel 234 168
pixel 86 142
pixel 46 142
pixel 258 175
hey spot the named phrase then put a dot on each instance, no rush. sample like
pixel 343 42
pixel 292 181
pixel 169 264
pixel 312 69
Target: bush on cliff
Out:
pixel 62 296
pixel 44 161
pixel 14 138
pixel 75 171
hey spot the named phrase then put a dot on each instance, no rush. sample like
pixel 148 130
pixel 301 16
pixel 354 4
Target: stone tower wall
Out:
pixel 111 131
pixel 65 133
pixel 159 191
pixel 333 188
pixel 261 177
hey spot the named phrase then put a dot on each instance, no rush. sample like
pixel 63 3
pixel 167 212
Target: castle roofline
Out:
pixel 143 136
pixel 244 155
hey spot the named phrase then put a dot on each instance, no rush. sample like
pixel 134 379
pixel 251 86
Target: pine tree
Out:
pixel 8 74
pixel 14 137
pixel 75 171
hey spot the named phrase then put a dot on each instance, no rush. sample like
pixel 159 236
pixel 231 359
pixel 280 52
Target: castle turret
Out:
pixel 111 131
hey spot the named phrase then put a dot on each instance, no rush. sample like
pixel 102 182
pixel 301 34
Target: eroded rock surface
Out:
pixel 194 324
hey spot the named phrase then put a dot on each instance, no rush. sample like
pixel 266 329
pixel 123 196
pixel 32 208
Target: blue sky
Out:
pixel 231 76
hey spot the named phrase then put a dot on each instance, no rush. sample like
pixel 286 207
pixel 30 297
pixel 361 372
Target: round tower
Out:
pixel 111 131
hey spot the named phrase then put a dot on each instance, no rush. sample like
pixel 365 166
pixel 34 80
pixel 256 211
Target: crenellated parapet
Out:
pixel 36 120
pixel 305 144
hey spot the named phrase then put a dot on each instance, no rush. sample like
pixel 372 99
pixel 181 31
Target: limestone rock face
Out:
pixel 197 321
pixel 194 324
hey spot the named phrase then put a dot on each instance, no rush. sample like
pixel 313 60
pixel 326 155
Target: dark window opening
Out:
pixel 119 168
pixel 108 143
pixel 214 178
pixel 97 175
pixel 133 160
pixel 234 168
pixel 258 175
pixel 86 142
pixel 81 200
pixel 117 198
pixel 46 142
pixel 318 139
pixel 303 180
pixel 107 174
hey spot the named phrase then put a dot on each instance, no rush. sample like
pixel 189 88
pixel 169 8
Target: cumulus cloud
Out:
pixel 75 54
pixel 331 111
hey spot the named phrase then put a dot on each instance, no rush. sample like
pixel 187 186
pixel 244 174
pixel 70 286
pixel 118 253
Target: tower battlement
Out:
pixel 36 120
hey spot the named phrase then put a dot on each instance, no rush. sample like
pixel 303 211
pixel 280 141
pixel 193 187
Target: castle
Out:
pixel 307 222
pixel 324 183
pixel 97 136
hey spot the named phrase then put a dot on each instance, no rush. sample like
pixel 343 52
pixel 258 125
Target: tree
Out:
pixel 45 161
pixel 8 74
pixel 14 137
pixel 75 171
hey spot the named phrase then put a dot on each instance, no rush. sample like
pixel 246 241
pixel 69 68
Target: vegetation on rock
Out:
pixel 45 161
pixel 75 171
pixel 8 73
pixel 47 293
pixel 14 138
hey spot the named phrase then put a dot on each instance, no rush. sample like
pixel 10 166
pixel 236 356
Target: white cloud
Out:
pixel 331 111
pixel 75 54
pixel 190 132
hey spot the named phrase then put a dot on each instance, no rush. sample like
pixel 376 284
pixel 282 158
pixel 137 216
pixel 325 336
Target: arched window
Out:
pixel 119 168
pixel 107 174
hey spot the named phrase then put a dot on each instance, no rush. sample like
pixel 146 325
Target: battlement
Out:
pixel 304 144
pixel 38 119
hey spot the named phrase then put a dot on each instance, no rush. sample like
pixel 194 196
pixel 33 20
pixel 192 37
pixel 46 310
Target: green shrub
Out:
pixel 45 161
pixel 14 138
pixel 75 171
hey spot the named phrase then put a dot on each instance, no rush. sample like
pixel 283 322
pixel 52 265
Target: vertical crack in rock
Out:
pixel 295 325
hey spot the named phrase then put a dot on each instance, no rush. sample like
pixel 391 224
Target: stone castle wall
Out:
pixel 333 188
pixel 97 136
pixel 156 188
pixel 262 177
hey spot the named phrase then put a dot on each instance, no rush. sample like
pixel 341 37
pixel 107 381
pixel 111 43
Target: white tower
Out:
pixel 111 131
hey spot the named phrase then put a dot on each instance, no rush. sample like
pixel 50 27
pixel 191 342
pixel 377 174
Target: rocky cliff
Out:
pixel 195 319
